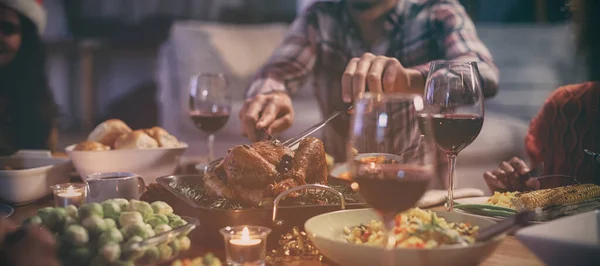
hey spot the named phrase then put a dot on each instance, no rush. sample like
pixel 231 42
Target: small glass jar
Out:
pixel 69 194
pixel 245 244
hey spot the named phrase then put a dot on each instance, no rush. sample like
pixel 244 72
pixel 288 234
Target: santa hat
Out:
pixel 31 9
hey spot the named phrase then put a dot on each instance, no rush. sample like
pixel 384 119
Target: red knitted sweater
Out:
pixel 568 123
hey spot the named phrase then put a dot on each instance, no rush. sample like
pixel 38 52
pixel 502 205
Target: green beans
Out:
pixel 486 209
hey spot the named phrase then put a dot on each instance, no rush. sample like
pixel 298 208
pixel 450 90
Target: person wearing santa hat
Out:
pixel 27 114
pixel 28 111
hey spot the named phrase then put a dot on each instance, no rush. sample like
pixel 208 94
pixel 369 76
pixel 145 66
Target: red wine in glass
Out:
pixel 209 122
pixel 391 188
pixel 454 132
pixel 451 132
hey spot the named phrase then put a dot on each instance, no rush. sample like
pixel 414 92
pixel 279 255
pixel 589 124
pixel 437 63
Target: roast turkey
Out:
pixel 249 174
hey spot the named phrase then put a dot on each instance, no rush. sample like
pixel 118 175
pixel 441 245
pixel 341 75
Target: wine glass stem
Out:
pixel 390 240
pixel 451 169
pixel 211 142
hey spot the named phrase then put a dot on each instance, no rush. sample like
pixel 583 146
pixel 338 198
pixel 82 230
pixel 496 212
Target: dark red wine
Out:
pixel 424 121
pixel 454 132
pixel 391 188
pixel 209 122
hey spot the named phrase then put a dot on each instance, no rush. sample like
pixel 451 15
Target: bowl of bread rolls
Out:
pixel 114 147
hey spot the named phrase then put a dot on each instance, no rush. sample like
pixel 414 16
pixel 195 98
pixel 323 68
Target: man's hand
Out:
pixel 507 177
pixel 270 112
pixel 34 246
pixel 380 74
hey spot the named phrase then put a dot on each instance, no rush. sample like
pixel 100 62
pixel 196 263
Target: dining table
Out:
pixel 509 252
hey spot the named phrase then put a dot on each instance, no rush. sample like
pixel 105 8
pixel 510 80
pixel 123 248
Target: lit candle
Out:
pixel 69 194
pixel 245 239
pixel 245 245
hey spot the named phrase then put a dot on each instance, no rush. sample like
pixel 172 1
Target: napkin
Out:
pixel 437 196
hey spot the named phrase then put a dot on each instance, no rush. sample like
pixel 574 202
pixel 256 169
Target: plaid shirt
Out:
pixel 322 40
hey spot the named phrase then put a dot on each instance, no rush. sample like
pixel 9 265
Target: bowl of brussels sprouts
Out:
pixel 117 232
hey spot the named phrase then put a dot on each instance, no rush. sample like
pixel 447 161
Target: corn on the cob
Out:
pixel 577 194
pixel 556 196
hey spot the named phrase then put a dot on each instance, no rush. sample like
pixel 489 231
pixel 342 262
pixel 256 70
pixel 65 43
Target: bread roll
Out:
pixel 137 139
pixel 164 139
pixel 91 146
pixel 108 131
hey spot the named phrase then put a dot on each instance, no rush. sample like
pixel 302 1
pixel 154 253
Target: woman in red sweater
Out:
pixel 568 123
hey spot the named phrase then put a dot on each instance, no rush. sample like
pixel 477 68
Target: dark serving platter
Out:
pixel 280 219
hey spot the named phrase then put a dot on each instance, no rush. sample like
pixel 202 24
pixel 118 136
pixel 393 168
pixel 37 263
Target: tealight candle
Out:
pixel 69 194
pixel 245 245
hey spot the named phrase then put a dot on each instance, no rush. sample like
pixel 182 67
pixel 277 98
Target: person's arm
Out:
pixel 457 37
pixel 292 62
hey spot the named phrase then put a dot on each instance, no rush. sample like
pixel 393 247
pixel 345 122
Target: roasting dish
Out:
pixel 213 219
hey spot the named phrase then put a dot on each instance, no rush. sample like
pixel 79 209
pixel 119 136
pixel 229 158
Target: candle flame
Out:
pixel 245 234
pixel 70 190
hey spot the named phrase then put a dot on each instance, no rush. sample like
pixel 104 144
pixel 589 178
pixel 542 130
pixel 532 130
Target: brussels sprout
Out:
pixel 98 260
pixel 111 252
pixel 135 230
pixel 44 212
pixel 111 210
pixel 211 260
pixel 149 231
pixel 177 223
pixel 110 223
pixel 33 220
pixel 112 235
pixel 79 256
pixel 94 224
pixel 184 243
pixel 175 247
pixel 72 211
pixel 55 219
pixel 76 235
pixel 130 218
pixel 123 203
pixel 151 255
pixel 173 217
pixel 129 252
pixel 162 228
pixel 123 263
pixel 157 219
pixel 161 207
pixel 142 207
pixel 165 252
pixel 89 209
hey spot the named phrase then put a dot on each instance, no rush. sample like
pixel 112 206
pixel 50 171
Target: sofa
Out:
pixel 533 61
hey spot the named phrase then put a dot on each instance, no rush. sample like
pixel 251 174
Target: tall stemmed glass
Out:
pixel 454 110
pixel 209 105
pixel 388 158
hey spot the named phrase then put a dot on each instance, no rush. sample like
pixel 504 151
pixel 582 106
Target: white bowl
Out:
pixel 573 240
pixel 326 233
pixel 147 163
pixel 33 182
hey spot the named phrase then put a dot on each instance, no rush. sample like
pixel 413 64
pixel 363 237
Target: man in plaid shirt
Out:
pixel 348 45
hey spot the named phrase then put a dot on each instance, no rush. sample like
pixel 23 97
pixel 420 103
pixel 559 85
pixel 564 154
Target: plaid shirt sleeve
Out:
pixel 457 37
pixel 292 62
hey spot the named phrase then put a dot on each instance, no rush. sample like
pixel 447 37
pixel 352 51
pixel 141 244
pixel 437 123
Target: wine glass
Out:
pixel 453 109
pixel 209 105
pixel 388 159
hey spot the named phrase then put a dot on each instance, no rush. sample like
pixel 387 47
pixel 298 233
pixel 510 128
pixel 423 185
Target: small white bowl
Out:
pixel 326 233
pixel 39 171
pixel 147 163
